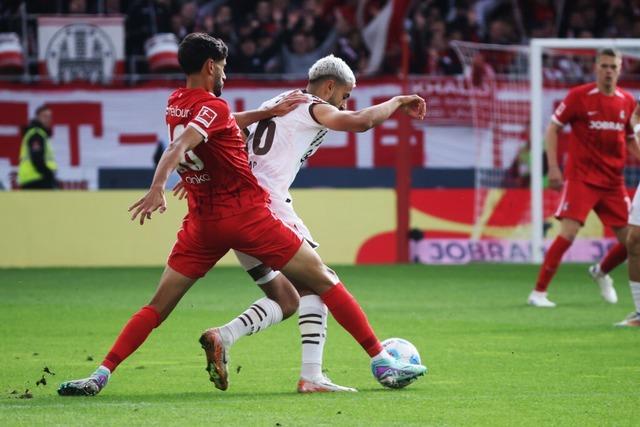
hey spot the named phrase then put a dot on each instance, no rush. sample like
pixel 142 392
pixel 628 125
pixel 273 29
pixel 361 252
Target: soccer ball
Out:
pixel 403 350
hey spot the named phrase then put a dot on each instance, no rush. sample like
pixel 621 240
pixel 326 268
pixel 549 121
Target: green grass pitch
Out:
pixel 492 360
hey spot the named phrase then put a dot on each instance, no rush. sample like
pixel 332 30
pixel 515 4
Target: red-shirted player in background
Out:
pixel 228 210
pixel 599 115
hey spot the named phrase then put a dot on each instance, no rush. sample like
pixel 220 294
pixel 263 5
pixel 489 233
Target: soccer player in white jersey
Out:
pixel 633 240
pixel 277 148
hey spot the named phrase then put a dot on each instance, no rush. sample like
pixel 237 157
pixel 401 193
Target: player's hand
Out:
pixel 413 105
pixel 287 104
pixel 152 201
pixel 555 178
pixel 179 191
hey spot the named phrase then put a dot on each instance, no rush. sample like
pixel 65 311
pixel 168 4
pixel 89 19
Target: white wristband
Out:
pixel 636 128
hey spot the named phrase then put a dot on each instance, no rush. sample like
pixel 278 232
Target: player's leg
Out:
pixel 615 256
pixel 171 289
pixel 613 210
pixel 280 291
pixel 307 270
pixel 633 244
pixel 633 247
pixel 568 230
pixel 312 320
pixel 576 202
pixel 312 323
pixel 265 237
pixel 280 302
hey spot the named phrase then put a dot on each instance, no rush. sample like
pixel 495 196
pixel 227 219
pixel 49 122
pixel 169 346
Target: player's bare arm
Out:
pixel 360 121
pixel 551 145
pixel 154 199
pixel 284 106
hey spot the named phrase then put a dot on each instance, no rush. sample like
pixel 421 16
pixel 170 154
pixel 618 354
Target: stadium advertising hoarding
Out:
pixel 104 135
pixel 119 128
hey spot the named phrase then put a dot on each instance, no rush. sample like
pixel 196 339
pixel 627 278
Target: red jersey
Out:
pixel 599 129
pixel 216 173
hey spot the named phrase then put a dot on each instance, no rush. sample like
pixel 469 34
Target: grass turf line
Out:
pixel 492 360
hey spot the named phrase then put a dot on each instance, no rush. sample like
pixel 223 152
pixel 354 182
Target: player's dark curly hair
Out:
pixel 196 48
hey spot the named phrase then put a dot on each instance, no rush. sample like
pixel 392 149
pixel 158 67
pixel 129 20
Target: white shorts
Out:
pixel 634 213
pixel 285 212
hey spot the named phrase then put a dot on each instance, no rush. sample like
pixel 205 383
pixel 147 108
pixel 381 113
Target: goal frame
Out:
pixel 536 50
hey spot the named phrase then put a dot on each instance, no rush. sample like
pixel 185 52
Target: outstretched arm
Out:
pixel 173 155
pixel 363 120
pixel 282 107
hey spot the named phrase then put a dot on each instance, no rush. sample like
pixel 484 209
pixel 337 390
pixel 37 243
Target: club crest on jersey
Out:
pixel 622 116
pixel 206 116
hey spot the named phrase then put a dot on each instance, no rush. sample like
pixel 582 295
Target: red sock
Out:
pixel 348 313
pixel 134 333
pixel 616 256
pixel 551 261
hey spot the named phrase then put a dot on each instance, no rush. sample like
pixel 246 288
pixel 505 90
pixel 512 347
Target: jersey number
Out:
pixel 259 148
pixel 191 161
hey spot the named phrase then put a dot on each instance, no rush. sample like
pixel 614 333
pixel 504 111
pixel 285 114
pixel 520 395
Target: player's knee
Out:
pixel 280 290
pixel 289 305
pixel 288 299
pixel 569 229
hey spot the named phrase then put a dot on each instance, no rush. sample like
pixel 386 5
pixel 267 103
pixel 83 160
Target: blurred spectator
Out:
pixel 266 36
pixel 184 22
pixel 350 46
pixel 37 169
pixel 305 28
pixel 144 19
pixel 78 6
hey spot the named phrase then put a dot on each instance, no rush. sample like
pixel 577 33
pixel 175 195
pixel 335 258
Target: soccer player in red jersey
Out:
pixel 227 209
pixel 599 114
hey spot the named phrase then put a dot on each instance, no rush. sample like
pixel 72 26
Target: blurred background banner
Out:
pixel 106 137
pixel 466 182
pixel 81 48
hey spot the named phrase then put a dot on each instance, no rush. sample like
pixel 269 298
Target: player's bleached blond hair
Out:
pixel 331 67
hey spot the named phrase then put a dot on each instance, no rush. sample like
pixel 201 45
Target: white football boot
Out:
pixel 605 282
pixel 321 384
pixel 632 320
pixel 539 299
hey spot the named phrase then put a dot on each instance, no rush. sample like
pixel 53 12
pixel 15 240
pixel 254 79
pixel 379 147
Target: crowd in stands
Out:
pixel 287 36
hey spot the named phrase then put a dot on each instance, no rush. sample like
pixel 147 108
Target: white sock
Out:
pixel 312 321
pixel 103 368
pixel 635 293
pixel 381 356
pixel 259 316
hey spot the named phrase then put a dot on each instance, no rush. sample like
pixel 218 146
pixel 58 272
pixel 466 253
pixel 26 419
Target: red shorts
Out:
pixel 610 204
pixel 257 232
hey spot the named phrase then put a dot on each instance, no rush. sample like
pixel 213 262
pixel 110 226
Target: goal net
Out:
pixel 513 92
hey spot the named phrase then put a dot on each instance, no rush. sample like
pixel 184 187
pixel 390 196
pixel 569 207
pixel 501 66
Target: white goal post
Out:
pixel 536 51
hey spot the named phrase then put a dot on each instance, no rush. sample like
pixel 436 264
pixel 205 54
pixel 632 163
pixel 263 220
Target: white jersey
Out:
pixel 279 146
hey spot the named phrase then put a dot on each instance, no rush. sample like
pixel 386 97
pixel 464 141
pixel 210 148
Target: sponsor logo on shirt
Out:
pixel 206 116
pixel 198 179
pixel 605 125
pixel 178 112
